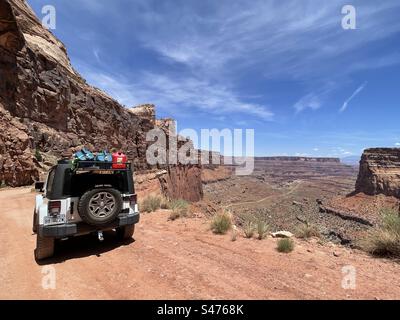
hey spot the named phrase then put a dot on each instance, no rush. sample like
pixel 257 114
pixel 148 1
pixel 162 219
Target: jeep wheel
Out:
pixel 44 247
pixel 98 207
pixel 35 222
pixel 125 232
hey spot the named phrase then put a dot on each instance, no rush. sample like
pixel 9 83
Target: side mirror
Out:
pixel 39 186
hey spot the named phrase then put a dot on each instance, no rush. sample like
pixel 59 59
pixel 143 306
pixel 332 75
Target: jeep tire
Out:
pixel 44 248
pixel 125 232
pixel 98 207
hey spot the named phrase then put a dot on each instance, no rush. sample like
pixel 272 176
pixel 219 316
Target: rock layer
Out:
pixel 380 172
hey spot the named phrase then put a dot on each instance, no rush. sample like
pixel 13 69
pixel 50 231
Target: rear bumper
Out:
pixel 72 229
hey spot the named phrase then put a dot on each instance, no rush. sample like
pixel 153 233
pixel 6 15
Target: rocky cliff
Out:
pixel 46 107
pixel 380 172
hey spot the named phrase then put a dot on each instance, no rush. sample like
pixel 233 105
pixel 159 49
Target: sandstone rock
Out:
pixel 380 172
pixel 282 234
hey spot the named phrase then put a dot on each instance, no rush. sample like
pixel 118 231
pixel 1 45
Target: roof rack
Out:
pixel 99 166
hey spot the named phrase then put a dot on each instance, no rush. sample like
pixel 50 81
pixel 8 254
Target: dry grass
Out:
pixel 308 231
pixel 221 223
pixel 249 228
pixel 150 204
pixel 384 240
pixel 165 203
pixel 262 229
pixel 180 209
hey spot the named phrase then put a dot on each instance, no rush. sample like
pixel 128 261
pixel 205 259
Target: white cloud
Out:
pixel 207 50
pixel 301 154
pixel 280 38
pixel 397 144
pixel 176 94
pixel 310 101
pixel 96 53
pixel 355 93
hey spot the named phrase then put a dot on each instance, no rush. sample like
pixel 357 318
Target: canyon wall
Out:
pixel 47 107
pixel 380 172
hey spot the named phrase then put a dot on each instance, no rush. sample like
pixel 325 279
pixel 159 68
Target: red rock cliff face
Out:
pixel 46 105
pixel 380 172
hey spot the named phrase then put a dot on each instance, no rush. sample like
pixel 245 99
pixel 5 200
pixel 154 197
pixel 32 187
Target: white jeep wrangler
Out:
pixel 81 199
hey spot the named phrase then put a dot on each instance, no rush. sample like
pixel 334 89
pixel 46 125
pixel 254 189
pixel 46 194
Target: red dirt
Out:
pixel 180 260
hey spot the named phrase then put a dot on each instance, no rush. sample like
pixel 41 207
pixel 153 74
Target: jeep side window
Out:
pixel 50 181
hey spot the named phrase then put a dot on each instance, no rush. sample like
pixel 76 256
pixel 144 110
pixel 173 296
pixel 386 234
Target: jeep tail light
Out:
pixel 133 199
pixel 54 208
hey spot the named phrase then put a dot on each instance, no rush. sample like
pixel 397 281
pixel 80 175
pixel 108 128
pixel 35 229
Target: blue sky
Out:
pixel 284 68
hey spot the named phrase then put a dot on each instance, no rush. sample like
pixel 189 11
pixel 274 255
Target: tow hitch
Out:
pixel 100 236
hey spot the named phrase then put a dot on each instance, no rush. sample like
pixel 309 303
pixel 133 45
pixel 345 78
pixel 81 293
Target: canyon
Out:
pixel 47 108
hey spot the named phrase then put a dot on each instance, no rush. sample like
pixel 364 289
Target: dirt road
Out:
pixel 180 260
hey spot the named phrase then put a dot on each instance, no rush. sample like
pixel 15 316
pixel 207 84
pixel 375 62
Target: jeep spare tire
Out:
pixel 99 207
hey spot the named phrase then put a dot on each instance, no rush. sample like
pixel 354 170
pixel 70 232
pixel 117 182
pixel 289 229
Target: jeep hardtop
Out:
pixel 81 198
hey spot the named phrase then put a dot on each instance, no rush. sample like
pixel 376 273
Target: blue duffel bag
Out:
pixel 104 156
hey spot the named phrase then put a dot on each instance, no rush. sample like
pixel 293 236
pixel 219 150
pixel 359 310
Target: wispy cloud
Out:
pixel 200 55
pixel 310 101
pixel 355 93
pixel 176 94
pixel 96 53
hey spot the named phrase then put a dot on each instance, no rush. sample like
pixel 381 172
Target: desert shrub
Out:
pixel 285 245
pixel 165 203
pixel 179 208
pixel 249 229
pixel 221 223
pixel 151 204
pixel 391 221
pixel 384 240
pixel 38 155
pixel 307 231
pixel 262 229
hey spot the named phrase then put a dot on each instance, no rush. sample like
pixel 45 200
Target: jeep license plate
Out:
pixel 55 220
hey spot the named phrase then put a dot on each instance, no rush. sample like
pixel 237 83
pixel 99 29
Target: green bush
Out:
pixel 262 229
pixel 38 155
pixel 384 240
pixel 249 229
pixel 285 245
pixel 151 204
pixel 308 231
pixel 221 223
